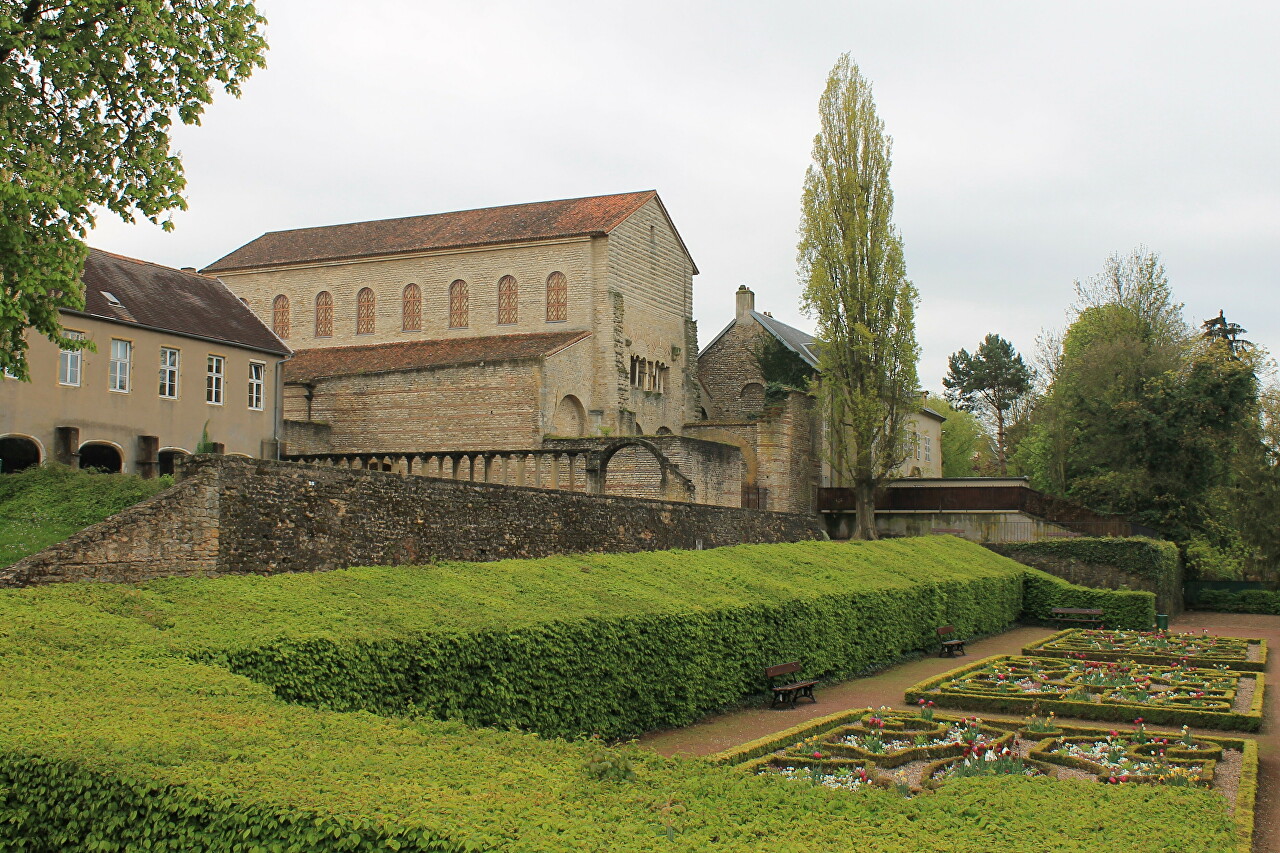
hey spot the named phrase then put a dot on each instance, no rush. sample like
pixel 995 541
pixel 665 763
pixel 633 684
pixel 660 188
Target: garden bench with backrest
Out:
pixel 1077 616
pixel 950 646
pixel 787 694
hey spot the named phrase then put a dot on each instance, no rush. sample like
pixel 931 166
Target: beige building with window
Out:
pixel 480 329
pixel 174 351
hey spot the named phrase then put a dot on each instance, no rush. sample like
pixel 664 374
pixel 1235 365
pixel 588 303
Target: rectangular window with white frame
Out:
pixel 170 364
pixel 70 361
pixel 121 362
pixel 928 448
pixel 214 380
pixel 256 385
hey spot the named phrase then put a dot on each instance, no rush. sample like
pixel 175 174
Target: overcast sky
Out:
pixel 1031 140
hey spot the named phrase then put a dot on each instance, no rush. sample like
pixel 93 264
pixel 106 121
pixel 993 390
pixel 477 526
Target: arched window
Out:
pixel 557 298
pixel 411 309
pixel 280 317
pixel 458 305
pixel 324 314
pixel 364 312
pixel 508 297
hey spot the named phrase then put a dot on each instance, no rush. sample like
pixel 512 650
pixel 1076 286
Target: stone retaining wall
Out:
pixel 232 515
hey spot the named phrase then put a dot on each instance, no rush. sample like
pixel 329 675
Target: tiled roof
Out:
pixel 310 364
pixel 514 223
pixel 142 293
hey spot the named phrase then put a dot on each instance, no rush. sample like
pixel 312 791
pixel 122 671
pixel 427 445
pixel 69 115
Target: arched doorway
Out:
pixel 570 419
pixel 101 457
pixel 17 453
pixel 633 471
pixel 169 458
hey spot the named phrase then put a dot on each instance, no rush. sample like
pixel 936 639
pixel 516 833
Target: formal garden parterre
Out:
pixel 1238 653
pixel 1168 694
pixel 915 753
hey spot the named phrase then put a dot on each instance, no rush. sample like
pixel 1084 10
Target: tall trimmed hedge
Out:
pixel 1245 601
pixel 1121 608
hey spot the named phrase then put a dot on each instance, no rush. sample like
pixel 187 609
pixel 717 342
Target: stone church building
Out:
pixel 480 329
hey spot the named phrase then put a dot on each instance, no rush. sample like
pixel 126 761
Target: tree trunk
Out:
pixel 864 507
pixel 1000 453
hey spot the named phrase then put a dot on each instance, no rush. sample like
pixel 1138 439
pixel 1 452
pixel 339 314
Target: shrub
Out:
pixel 1121 608
pixel 44 505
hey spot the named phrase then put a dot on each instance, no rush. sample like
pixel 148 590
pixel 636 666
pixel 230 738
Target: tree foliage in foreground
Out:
pixel 88 94
pixel 855 285
pixel 991 382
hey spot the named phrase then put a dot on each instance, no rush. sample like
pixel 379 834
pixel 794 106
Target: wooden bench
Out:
pixel 1077 616
pixel 950 647
pixel 787 694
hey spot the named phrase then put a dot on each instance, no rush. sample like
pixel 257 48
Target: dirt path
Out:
pixel 887 688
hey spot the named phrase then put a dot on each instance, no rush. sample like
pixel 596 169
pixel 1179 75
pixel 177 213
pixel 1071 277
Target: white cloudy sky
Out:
pixel 1031 139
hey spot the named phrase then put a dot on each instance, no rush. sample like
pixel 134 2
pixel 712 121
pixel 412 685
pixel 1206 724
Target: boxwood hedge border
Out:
pixel 1038 650
pixel 1245 721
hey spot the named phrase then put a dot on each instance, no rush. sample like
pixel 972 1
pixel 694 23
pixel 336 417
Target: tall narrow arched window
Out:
pixel 364 312
pixel 411 309
pixel 280 317
pixel 508 297
pixel 557 298
pixel 458 305
pixel 324 314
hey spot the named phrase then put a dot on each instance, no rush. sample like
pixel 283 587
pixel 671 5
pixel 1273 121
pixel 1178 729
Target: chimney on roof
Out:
pixel 746 301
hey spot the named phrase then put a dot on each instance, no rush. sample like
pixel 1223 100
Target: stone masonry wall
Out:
pixel 174 533
pixel 232 516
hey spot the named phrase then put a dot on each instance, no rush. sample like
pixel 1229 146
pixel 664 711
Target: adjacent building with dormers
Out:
pixel 175 353
pixel 479 329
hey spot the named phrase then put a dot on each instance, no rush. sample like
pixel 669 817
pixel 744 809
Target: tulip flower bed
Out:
pixel 1101 690
pixel 914 753
pixel 1160 647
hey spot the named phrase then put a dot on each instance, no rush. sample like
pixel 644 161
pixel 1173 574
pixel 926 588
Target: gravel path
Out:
pixel 887 688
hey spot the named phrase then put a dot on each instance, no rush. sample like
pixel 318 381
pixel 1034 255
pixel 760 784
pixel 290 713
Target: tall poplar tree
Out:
pixel 855 285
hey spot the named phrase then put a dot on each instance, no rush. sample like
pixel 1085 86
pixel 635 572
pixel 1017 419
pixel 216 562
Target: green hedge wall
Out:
pixel 1121 608
pixel 1152 559
pixel 1246 601
pixel 631 671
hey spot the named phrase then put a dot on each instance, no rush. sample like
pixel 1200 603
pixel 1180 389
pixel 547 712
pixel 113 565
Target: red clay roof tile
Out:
pixel 311 364
pixel 577 217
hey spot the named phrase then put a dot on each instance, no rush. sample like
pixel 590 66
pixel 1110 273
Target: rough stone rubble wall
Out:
pixel 232 515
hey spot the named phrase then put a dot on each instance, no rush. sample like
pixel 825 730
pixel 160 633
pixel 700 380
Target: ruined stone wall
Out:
pixel 234 515
pixel 173 533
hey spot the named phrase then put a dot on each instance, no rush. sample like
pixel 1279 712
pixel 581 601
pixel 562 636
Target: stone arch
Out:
pixel 664 431
pixel 103 456
pixel 752 398
pixel 168 458
pixel 570 418
pixel 636 468
pixel 19 452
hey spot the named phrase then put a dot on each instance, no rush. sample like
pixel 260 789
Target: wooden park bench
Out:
pixel 787 694
pixel 1077 616
pixel 950 647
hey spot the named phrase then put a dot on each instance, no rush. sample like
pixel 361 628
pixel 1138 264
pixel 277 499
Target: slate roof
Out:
pixel 801 343
pixel 577 217
pixel 170 300
pixel 311 364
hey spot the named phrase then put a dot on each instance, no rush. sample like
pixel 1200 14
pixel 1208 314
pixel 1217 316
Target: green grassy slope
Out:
pixel 41 506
